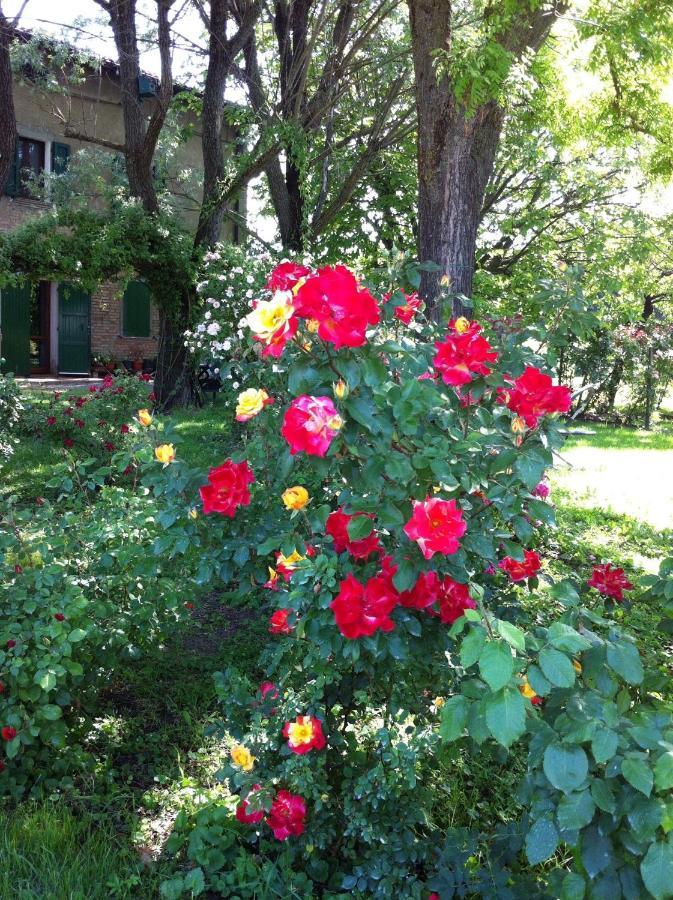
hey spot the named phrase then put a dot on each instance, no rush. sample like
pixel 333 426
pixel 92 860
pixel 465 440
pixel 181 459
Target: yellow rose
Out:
pixel 439 702
pixel 144 417
pixel 295 497
pixel 250 403
pixel 301 732
pixel 527 690
pixel 312 325
pixel 242 757
pixel 334 423
pixel 577 666
pixel 445 281
pixel 165 453
pixel 461 324
pixel 340 389
pixel 270 315
pixel 518 425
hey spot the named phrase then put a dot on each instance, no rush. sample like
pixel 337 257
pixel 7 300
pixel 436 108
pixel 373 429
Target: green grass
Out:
pixel 608 437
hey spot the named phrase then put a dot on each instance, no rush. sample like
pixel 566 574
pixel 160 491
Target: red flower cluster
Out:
pixel 436 525
pixel 8 733
pixel 519 570
pixel 278 623
pixel 227 488
pixel 287 815
pixel 311 424
pixel 609 581
pixel 451 597
pixel 304 734
pixel 342 308
pixel 337 528
pixel 405 312
pixel 533 395
pixel 360 610
pixel 463 354
pixel 286 275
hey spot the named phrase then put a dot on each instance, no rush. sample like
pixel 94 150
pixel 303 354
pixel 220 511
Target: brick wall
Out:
pixel 106 328
pixel 14 211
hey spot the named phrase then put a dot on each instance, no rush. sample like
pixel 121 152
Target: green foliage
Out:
pixel 11 412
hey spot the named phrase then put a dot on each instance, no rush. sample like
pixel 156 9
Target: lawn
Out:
pixel 151 734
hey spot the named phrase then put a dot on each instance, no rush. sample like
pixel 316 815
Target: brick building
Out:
pixel 56 328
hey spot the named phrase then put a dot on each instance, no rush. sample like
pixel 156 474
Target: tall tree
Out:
pixel 459 124
pixel 8 130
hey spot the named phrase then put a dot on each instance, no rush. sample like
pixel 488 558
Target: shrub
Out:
pixel 11 410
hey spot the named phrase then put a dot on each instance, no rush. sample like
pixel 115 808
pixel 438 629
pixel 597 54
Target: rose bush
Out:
pixel 420 452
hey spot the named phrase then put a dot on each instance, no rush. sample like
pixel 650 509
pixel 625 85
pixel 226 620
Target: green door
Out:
pixel 15 326
pixel 74 307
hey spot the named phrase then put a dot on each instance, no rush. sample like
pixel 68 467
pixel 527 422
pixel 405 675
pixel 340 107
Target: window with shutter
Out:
pixel 60 157
pixel 136 310
pixel 12 186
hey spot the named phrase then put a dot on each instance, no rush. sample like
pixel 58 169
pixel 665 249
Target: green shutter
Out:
pixel 60 156
pixel 136 310
pixel 15 325
pixel 13 183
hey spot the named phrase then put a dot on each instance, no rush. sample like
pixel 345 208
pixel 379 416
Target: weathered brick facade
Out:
pixel 106 328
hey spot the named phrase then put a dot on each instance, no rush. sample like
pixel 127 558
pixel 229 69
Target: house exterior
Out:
pixel 56 328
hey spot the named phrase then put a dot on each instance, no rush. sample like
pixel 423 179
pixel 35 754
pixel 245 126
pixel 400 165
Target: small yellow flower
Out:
pixel 242 757
pixel 445 281
pixel 270 315
pixel 295 497
pixel 518 425
pixel 527 690
pixel 577 666
pixel 193 513
pixel 312 325
pixel 144 417
pixel 301 732
pixel 165 453
pixel 250 403
pixel 461 324
pixel 340 389
pixel 439 702
pixel 289 562
pixel 335 423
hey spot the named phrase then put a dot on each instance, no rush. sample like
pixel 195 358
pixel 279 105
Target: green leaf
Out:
pixel 603 795
pixel 604 745
pixel 575 810
pixel 359 527
pixel 657 870
pixel 47 681
pixel 564 637
pixel 506 716
pixel 195 882
pixel 530 469
pixel 638 774
pixel 454 718
pixel 496 665
pixel 471 646
pixel 51 712
pixel 625 660
pixel 663 772
pixel 557 668
pixel 541 841
pixel 573 887
pixel 566 767
pixel 76 635
pixel 565 592
pixel 513 635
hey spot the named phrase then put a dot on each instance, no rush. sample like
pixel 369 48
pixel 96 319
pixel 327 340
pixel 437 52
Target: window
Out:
pixel 30 162
pixel 136 310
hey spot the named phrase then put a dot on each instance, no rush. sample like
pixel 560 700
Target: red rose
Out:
pixel 51 420
pixel 68 442
pixel 67 411
pixel 189 605
pixel 227 488
pixel 269 689
pixel 541 490
pixel 285 276
pixel 360 610
pixel 109 446
pixel 10 643
pixel 304 734
pixel 40 501
pixel 93 388
pixel 463 354
pixel 8 733
pixel 533 395
pixel 145 377
pixel 2 766
pixel 311 424
pixel 152 396
pixel 241 810
pixel 424 593
pixel 454 599
pixel 337 527
pixel 2 687
pixel 609 581
pixel 341 307
pixel 287 815
pixel 79 403
pixel 436 526
pixel 79 423
pixel 518 571
pixel 125 429
pixel 278 623
pixel 406 311
pixel 18 569
pixel 59 617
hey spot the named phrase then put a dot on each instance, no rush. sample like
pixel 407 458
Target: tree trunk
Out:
pixel 456 149
pixel 8 130
pixel 175 382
